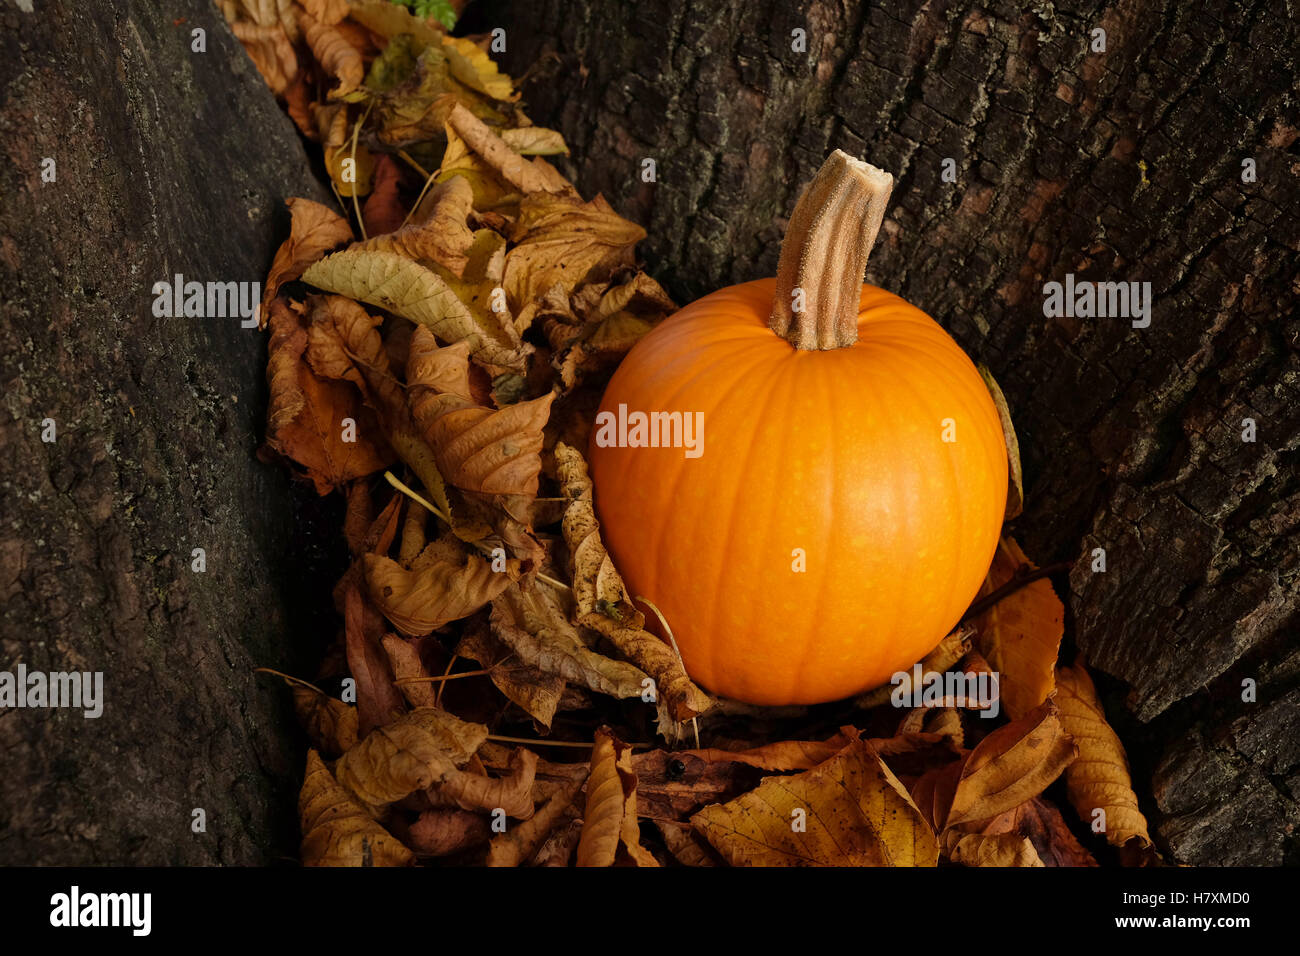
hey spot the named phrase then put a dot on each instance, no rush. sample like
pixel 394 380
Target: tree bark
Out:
pixel 1122 165
pixel 166 161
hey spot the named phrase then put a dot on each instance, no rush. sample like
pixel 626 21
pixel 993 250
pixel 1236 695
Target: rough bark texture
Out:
pixel 168 161
pixel 1123 165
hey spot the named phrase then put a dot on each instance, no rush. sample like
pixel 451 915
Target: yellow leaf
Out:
pixel 849 811
pixel 535 141
pixel 475 68
pixel 1021 634
pixel 408 289
pixel 1099 779
pixel 352 172
pixel 338 832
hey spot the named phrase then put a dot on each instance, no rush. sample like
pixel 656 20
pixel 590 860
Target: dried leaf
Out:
pixel 535 141
pixel 382 211
pixel 404 659
pixel 445 584
pixel 849 811
pixel 313 231
pixel 531 624
pixel 602 599
pixel 444 238
pixel 271 51
pixel 307 414
pixel 475 68
pixel 561 240
pixel 519 843
pixel 378 699
pixel 783 755
pixel 1099 779
pixel 413 753
pixel 538 694
pixel 334 53
pixel 447 831
pixel 338 832
pixel 1015 477
pixel 330 724
pixel 517 172
pixel 1021 634
pixel 610 821
pixel 408 289
pixel 512 794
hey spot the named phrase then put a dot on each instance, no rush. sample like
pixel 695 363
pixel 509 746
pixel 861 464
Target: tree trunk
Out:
pixel 165 161
pixel 1122 165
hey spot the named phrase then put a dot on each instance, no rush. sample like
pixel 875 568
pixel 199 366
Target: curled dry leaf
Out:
pixel 383 212
pixel 446 831
pixel 334 53
pixel 330 724
pixel 512 794
pixel 537 693
pixel 413 753
pixel 562 240
pixel 513 169
pixel 559 847
pixel 602 599
pixel 1031 834
pixel 1015 478
pixel 404 660
pixel 338 832
pixel 519 843
pixel 492 454
pixel 306 412
pixel 314 230
pixel 378 699
pixel 445 584
pixel 596 326
pixel 443 238
pixel 949 651
pixel 990 849
pixel 784 755
pixel 534 627
pixel 1010 766
pixel 849 811
pixel 687 847
pixel 408 289
pixel 1021 634
pixel 610 819
pixel 475 68
pixel 271 51
pixel 1099 779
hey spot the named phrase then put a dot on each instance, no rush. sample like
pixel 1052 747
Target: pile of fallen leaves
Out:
pixel 438 345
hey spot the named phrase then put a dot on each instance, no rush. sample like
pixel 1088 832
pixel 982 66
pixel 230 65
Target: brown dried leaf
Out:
pixel 602 600
pixel 306 413
pixel 330 724
pixel 512 794
pixel 513 169
pixel 382 212
pixel 378 699
pixel 561 240
pixel 271 51
pixel 538 694
pixel 849 811
pixel 1099 779
pixel 610 820
pixel 338 832
pixel 413 753
pixel 444 237
pixel 334 53
pixel 446 583
pixel 1021 634
pixel 404 659
pixel 534 627
pixel 314 230
pixel 519 843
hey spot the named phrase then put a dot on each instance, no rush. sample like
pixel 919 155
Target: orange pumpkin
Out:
pixel 851 481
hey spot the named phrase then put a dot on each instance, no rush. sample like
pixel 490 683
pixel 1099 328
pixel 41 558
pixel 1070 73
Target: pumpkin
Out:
pixel 845 500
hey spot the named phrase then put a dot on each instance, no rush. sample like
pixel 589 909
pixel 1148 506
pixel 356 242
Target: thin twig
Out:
pixel 291 679
pixel 434 680
pixel 414 165
pixel 356 203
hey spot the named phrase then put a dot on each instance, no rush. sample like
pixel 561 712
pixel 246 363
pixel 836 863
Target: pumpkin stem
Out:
pixel 824 256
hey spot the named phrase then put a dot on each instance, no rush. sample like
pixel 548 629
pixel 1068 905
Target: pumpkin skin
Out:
pixel 838 453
